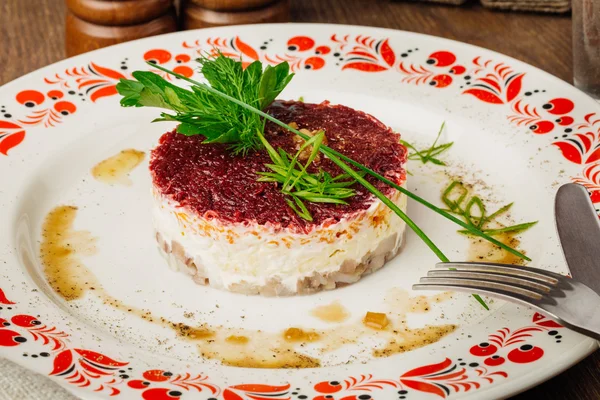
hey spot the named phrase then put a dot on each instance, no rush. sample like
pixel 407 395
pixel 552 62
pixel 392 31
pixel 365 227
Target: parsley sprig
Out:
pixel 202 112
pixel 299 184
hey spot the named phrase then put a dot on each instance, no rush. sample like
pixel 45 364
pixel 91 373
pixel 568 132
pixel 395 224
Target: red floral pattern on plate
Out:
pixel 43 113
pixel 492 82
pixel 441 67
pixel 87 368
pixel 178 63
pixel 11 135
pixel 256 392
pixel 4 299
pixel 591 180
pixel 365 53
pixel 153 382
pixel 49 109
pixel 495 83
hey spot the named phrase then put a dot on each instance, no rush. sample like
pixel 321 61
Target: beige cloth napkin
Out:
pixel 453 2
pixel 17 383
pixel 549 6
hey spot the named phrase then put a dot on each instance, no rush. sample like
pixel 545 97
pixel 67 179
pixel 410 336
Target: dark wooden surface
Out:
pixel 32 35
pixel 196 14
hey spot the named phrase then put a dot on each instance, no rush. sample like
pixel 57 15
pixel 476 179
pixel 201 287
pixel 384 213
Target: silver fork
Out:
pixel 563 299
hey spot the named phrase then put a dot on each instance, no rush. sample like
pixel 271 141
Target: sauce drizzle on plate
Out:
pixel 116 169
pixel 63 248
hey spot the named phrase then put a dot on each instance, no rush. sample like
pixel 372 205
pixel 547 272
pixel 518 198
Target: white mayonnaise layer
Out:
pixel 255 255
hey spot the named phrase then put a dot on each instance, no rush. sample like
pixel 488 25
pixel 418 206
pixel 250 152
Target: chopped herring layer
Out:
pixel 255 259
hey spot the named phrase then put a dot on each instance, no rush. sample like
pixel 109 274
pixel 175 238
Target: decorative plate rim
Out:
pixel 538 323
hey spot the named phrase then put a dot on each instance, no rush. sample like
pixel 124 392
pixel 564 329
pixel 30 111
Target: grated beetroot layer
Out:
pixel 209 181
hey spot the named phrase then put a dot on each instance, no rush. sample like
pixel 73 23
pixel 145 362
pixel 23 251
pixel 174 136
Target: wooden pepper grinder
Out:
pixel 205 13
pixel 92 24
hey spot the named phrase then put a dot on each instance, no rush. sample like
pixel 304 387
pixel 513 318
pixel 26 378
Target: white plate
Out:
pixel 518 133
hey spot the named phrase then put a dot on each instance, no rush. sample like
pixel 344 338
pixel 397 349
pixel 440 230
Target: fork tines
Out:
pixel 529 285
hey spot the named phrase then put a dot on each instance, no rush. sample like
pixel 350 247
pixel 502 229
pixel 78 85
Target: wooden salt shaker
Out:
pixel 206 13
pixel 92 24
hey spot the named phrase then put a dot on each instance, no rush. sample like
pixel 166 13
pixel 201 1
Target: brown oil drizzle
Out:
pixel 411 339
pixel 300 335
pixel 279 362
pixel 116 169
pixel 258 350
pixel 334 312
pixel 396 334
pixel 281 357
pixel 237 339
pixel 400 302
pixel 61 251
pixel 422 304
pixel 399 336
pixel 481 250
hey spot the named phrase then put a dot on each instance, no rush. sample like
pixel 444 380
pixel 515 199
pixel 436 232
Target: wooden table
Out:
pixel 32 36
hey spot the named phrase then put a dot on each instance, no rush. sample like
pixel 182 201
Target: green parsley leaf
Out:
pixel 273 81
pixel 130 90
pixel 201 112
